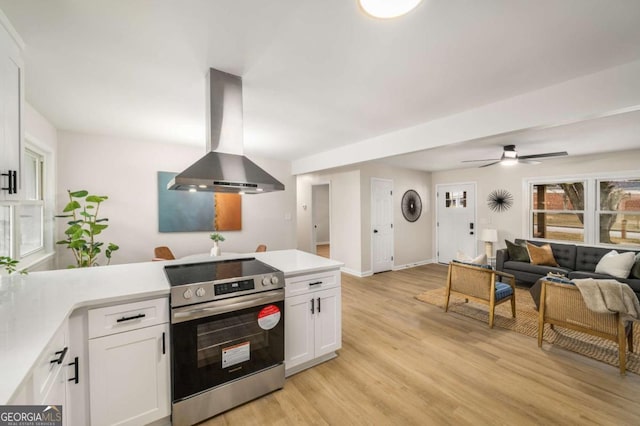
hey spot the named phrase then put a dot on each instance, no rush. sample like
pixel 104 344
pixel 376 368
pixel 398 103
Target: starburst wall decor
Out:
pixel 500 200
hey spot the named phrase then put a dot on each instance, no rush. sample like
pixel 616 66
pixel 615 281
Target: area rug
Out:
pixel 526 322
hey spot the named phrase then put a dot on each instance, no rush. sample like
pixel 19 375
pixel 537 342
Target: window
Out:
pixel 593 210
pixel 456 199
pixel 558 211
pixel 619 211
pixel 5 230
pixel 22 222
pixel 32 208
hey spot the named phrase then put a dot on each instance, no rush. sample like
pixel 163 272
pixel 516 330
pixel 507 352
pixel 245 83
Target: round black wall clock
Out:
pixel 411 205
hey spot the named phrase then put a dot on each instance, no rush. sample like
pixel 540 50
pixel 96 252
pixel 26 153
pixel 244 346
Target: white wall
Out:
pixel 126 171
pixel 351 215
pixel 511 224
pixel 412 240
pixel 344 215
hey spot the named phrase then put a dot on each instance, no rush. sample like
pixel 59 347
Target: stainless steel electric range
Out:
pixel 227 335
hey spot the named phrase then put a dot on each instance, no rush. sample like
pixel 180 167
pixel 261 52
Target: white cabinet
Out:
pixel 49 374
pixel 47 383
pixel 313 319
pixel 11 101
pixel 129 363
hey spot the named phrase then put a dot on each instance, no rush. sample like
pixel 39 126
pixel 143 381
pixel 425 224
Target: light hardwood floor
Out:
pixel 404 362
pixel 323 250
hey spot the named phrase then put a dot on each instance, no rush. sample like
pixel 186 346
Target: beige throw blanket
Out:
pixel 609 296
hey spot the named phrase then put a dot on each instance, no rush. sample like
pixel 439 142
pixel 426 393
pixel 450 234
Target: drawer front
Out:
pixel 302 284
pixel 128 316
pixel 50 364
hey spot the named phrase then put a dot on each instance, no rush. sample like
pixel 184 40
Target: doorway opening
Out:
pixel 320 219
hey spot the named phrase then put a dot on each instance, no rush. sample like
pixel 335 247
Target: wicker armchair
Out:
pixel 163 253
pixel 480 284
pixel 563 305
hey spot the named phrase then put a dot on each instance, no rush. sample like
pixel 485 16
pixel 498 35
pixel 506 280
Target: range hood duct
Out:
pixel 224 168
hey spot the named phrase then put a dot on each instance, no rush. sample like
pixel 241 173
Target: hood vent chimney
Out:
pixel 224 168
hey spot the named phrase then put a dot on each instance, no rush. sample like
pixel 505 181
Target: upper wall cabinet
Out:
pixel 11 103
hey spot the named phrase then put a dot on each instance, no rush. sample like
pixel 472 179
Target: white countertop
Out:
pixel 33 306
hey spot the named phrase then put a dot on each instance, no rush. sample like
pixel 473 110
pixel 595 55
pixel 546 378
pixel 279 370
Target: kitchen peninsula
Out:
pixel 34 308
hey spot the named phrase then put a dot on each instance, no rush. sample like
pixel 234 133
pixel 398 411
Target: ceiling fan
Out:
pixel 510 157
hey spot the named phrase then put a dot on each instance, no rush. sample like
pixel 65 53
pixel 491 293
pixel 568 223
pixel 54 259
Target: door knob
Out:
pixel 375 231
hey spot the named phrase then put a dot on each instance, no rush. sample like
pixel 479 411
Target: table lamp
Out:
pixel 489 236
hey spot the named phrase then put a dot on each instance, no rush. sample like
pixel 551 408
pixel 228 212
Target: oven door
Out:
pixel 220 341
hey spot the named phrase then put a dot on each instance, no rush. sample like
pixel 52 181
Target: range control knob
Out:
pixel 188 294
pixel 200 292
pixel 274 280
pixel 266 281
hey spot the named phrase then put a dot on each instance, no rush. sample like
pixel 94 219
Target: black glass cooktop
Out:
pixel 215 271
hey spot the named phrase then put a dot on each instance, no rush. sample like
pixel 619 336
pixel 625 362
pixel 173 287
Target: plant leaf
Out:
pixel 79 194
pixel 71 206
pixel 95 199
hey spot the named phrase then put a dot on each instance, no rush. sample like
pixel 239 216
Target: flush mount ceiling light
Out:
pixel 386 9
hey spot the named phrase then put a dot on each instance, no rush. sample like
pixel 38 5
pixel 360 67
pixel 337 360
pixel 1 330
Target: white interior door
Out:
pixel 381 224
pixel 456 222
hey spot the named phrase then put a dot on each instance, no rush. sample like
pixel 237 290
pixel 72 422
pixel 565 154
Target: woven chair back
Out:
pixel 565 303
pixel 471 280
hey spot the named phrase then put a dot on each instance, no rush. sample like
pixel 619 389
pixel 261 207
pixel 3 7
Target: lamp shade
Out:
pixel 489 235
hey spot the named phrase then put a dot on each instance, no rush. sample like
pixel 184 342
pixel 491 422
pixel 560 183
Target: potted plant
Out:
pixel 216 237
pixel 10 265
pixel 84 226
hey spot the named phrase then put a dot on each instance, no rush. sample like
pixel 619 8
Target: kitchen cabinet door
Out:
pixel 129 377
pixel 10 121
pixel 328 321
pixel 298 330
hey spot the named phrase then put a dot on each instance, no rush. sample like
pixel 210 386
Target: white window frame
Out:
pixel 38 201
pixel 47 191
pixel 591 207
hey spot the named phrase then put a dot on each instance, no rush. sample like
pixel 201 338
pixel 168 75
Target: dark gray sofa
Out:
pixel 574 261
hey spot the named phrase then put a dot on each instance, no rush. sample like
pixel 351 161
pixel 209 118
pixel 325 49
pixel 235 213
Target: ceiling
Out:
pixel 317 74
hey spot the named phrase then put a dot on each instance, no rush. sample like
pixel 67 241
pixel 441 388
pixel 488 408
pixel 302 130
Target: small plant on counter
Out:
pixel 85 225
pixel 10 265
pixel 217 237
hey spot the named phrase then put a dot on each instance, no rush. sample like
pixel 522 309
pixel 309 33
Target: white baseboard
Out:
pixel 318 243
pixel 368 273
pixel 356 273
pixel 413 264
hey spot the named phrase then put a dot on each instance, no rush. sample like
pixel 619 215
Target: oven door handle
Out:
pixel 217 307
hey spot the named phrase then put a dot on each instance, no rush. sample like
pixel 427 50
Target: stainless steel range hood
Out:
pixel 224 168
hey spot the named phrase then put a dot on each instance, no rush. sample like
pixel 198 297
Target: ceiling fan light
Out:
pixel 509 162
pixel 387 9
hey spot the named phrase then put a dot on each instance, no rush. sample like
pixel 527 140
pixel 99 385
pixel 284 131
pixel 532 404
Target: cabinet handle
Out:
pixel 61 356
pixel 312 307
pixel 76 377
pixel 131 318
pixel 15 181
pixel 164 348
pixel 12 186
pixel 316 283
pixel 318 305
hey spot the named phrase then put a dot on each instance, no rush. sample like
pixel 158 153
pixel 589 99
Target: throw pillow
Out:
pixel 616 264
pixel 541 255
pixel 635 269
pixel 478 260
pixel 517 252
